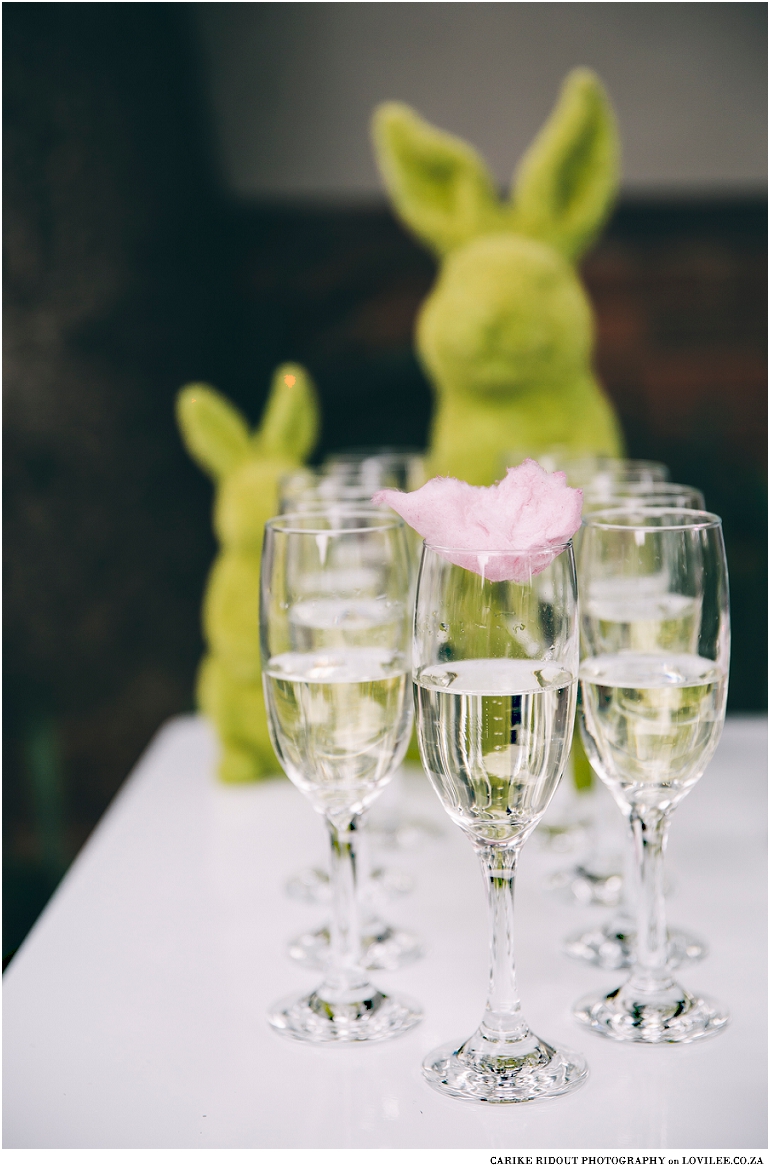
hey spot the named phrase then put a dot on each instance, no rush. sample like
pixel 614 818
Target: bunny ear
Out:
pixel 291 417
pixel 439 186
pixel 214 432
pixel 566 181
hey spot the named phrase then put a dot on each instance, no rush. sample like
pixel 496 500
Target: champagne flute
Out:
pixel 320 490
pixel 654 688
pixel 346 481
pixel 602 876
pixel 601 882
pixel 495 676
pixel 385 946
pixel 612 945
pixel 334 620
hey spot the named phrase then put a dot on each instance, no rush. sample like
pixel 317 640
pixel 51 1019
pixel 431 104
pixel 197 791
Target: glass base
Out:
pixel 613 946
pixel 311 886
pixel 499 1073
pixel 630 1016
pixel 563 838
pixel 589 883
pixel 314 1018
pixel 382 947
pixel 568 823
pixel 402 834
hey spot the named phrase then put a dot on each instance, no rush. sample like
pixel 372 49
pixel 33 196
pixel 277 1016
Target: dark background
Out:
pixel 129 270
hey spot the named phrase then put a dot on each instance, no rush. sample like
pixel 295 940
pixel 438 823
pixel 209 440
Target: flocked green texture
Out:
pixel 506 333
pixel 246 467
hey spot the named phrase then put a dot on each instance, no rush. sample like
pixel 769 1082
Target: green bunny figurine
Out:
pixel 246 468
pixel 506 333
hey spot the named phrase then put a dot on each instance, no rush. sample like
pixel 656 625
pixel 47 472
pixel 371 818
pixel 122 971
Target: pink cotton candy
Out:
pixel 527 511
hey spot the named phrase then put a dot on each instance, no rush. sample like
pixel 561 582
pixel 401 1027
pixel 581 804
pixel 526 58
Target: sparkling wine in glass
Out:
pixel 346 485
pixel 495 679
pixel 334 619
pixel 596 879
pixel 653 680
pixel 612 945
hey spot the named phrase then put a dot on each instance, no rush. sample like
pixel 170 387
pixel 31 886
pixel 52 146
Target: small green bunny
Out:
pixel 506 333
pixel 246 468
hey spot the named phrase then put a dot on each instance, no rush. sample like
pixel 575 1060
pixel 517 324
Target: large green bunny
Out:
pixel 506 333
pixel 246 468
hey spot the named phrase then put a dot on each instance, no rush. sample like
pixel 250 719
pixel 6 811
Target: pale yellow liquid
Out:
pixel 651 720
pixel 494 737
pixel 340 722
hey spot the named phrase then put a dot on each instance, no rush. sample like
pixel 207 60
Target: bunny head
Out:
pixel 247 466
pixel 506 313
pixel 508 326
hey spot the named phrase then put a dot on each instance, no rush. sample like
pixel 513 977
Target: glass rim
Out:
pixel 354 494
pixel 307 470
pixel 642 502
pixel 313 481
pixel 694 519
pixel 377 452
pixel 640 489
pixel 386 519
pixel 326 487
pixel 600 462
pixel 554 548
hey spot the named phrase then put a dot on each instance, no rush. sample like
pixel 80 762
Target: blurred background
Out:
pixel 190 194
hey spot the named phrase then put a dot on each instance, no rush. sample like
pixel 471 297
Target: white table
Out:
pixel 135 1010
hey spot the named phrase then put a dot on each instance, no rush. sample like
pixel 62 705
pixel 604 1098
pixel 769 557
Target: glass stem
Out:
pixel 345 978
pixel 649 828
pixel 623 921
pixel 368 911
pixel 503 1020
